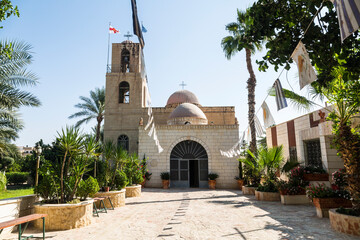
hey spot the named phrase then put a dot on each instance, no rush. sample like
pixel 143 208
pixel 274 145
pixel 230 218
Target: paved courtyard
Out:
pixel 203 214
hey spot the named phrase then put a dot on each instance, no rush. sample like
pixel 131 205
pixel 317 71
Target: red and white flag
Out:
pixel 113 30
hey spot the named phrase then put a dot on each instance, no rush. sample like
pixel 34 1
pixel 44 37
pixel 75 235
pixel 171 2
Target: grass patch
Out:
pixel 9 193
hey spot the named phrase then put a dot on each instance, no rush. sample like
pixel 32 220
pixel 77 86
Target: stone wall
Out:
pixel 212 137
pixel 13 208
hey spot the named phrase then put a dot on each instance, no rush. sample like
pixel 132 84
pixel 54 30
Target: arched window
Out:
pixel 124 92
pixel 123 141
pixel 125 60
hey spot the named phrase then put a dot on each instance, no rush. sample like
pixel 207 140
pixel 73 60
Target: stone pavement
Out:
pixel 203 214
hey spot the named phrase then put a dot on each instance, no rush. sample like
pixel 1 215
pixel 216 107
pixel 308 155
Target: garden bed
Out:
pixel 65 216
pixel 294 200
pixel 248 190
pixel 267 196
pixel 133 191
pixel 344 223
pixel 117 198
pixel 324 204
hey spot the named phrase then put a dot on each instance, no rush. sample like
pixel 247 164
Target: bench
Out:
pixel 21 220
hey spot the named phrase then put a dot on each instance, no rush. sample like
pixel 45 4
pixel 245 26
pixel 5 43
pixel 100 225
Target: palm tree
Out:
pixel 14 75
pixel 241 38
pixel 92 108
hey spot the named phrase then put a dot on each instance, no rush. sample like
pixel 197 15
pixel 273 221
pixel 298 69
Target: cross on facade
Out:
pixel 182 85
pixel 128 35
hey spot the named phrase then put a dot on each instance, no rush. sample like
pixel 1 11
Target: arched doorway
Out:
pixel 188 165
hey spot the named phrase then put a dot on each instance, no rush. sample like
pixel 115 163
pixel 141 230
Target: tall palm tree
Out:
pixel 13 75
pixel 92 108
pixel 241 38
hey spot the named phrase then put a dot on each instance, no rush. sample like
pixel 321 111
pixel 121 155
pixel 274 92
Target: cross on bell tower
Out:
pixel 128 35
pixel 182 85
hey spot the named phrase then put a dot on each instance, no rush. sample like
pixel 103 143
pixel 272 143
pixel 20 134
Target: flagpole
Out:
pixel 107 63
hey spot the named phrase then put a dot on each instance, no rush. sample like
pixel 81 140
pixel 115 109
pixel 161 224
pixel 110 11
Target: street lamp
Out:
pixel 38 151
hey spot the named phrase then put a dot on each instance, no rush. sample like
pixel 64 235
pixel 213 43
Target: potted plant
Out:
pixel 313 173
pixel 252 173
pixel 134 175
pixel 212 180
pixel 267 191
pixel 293 191
pixel 325 198
pixel 240 178
pixel 165 177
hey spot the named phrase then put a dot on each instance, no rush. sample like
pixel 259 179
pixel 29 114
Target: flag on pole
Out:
pixel 268 118
pixel 348 13
pixel 280 98
pixel 136 25
pixel 306 72
pixel 113 30
pixel 143 29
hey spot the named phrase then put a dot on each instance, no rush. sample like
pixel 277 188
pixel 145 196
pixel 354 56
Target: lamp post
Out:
pixel 38 151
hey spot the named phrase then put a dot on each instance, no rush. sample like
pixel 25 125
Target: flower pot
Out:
pixel 344 223
pixel 240 183
pixel 316 177
pixel 106 189
pixel 248 190
pixel 324 204
pixel 165 184
pixel 267 196
pixel 212 184
pixel 294 199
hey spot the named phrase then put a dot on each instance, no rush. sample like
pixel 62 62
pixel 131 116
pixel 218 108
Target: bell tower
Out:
pixel 125 95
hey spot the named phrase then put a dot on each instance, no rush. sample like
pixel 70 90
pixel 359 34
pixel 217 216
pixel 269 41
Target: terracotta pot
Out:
pixel 240 183
pixel 316 177
pixel 106 189
pixel 143 183
pixel 327 203
pixel 165 184
pixel 212 184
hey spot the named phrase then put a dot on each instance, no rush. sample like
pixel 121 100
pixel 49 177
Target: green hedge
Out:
pixel 17 177
pixel 2 182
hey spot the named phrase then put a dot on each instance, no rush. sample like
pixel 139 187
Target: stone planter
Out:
pixel 212 184
pixel 344 223
pixel 248 190
pixel 64 216
pixel 133 191
pixel 117 198
pixel 316 177
pixel 267 196
pixel 240 183
pixel 165 184
pixel 294 200
pixel 324 204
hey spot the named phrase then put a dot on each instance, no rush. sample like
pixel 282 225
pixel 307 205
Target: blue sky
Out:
pixel 69 40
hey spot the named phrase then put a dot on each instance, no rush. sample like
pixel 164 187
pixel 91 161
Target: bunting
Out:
pixel 268 118
pixel 348 13
pixel 280 98
pixel 307 73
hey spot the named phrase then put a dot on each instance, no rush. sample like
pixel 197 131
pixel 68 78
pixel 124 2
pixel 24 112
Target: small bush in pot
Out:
pixel 212 180
pixel 165 177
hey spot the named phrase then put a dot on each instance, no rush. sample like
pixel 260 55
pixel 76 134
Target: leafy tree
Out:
pixel 241 38
pixel 92 108
pixel 283 22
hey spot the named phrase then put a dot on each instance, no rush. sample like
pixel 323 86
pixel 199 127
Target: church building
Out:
pixel 191 135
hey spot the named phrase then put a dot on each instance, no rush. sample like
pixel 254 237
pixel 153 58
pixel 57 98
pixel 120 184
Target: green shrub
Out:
pixel 213 176
pixel 268 186
pixel 137 177
pixel 165 175
pixel 87 188
pixel 120 180
pixel 17 177
pixel 3 181
pixel 320 191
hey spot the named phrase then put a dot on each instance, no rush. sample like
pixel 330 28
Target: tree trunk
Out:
pixel 62 179
pixel 97 138
pixel 348 145
pixel 251 84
